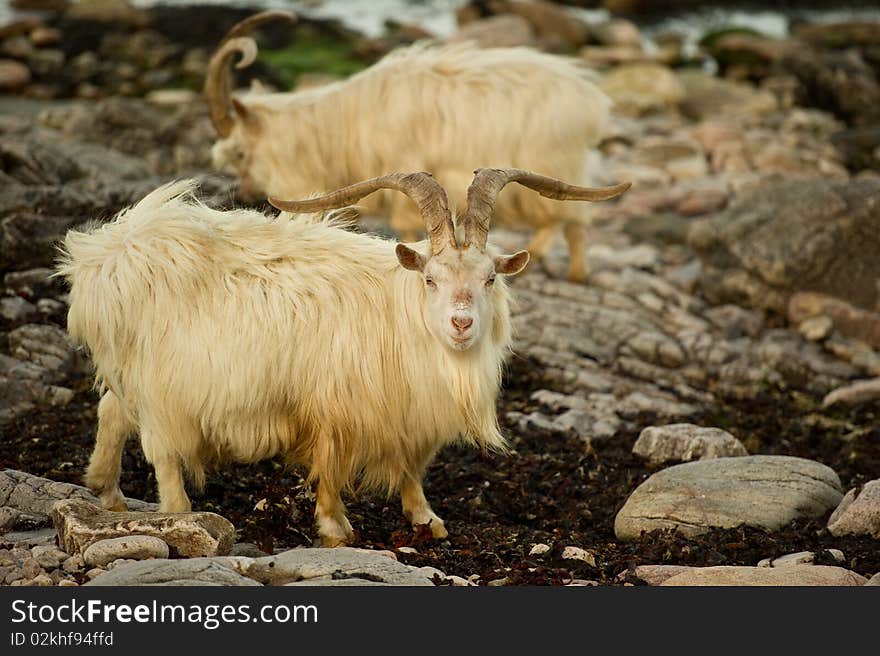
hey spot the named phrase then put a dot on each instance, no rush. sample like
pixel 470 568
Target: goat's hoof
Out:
pixel 436 526
pixel 112 500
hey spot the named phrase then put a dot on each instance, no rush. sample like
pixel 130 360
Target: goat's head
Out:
pixel 458 275
pixel 237 125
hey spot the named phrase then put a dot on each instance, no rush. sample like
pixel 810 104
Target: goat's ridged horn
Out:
pixel 488 183
pixel 421 187
pixel 218 83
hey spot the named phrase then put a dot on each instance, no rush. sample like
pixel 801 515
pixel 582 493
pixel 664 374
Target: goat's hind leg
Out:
pixel 417 509
pixel 105 465
pixel 576 237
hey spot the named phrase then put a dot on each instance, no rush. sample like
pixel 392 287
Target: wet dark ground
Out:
pixel 551 488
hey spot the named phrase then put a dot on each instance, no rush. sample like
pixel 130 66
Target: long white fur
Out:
pixel 236 336
pixel 446 109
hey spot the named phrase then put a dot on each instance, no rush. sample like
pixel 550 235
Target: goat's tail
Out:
pixel 108 267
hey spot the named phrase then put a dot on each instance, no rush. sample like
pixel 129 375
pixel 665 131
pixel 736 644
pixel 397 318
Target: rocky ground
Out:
pixel 703 411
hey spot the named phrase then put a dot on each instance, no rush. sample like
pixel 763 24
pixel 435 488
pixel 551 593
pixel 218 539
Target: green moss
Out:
pixel 312 53
pixel 709 39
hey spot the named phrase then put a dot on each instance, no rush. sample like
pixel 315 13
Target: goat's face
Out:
pixel 459 286
pixel 235 154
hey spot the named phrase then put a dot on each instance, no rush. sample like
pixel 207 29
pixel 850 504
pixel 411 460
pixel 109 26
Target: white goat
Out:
pixel 236 336
pixel 445 109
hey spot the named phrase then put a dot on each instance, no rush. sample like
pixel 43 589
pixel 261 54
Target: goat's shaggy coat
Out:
pixel 235 336
pixel 446 109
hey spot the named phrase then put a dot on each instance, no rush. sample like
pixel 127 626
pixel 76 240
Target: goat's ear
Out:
pixel 511 264
pixel 247 116
pixel 410 259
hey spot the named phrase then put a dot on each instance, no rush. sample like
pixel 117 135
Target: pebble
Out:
pixel 576 553
pixel 131 547
pixel 858 512
pixel 816 328
pixel 683 442
pixel 49 557
pixel 799 558
pixel 539 549
pixel 13 75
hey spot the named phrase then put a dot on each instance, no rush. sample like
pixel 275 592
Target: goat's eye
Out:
pixel 430 283
pixel 490 281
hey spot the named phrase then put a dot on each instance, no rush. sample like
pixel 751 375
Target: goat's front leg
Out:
pixel 333 526
pixel 417 509
pixel 172 492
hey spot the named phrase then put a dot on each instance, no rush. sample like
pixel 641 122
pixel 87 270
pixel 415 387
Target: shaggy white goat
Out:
pixel 445 109
pixel 237 336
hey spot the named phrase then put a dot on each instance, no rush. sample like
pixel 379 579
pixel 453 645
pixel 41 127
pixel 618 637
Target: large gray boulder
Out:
pixel 27 500
pixel 761 491
pixel 805 235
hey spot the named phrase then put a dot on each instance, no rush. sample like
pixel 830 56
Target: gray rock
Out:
pixel 762 491
pixel 813 235
pixel 48 557
pixel 795 575
pixel 193 571
pixel 853 393
pixel 683 442
pixel 340 563
pixel 28 499
pixel 48 347
pixel 132 547
pixel 39 537
pixel 858 513
pixel 16 308
pixel 800 558
pixel 655 574
pixel 80 524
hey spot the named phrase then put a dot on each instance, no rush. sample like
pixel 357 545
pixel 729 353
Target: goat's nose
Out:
pixel 462 323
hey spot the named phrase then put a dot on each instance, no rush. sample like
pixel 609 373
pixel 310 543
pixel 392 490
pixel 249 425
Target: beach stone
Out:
pixel 15 308
pixel 655 574
pixel 189 572
pixel 13 75
pixel 576 553
pixel 29 539
pixel 761 491
pixel 801 235
pixel 800 558
pixel 49 557
pixel 641 87
pixel 28 499
pixel 708 97
pixel 845 318
pixel 80 524
pixel 539 549
pixel 133 547
pixel 341 563
pixel 858 513
pixel 685 442
pixel 795 575
pixel 853 393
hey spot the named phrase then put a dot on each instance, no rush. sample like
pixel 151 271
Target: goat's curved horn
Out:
pixel 421 187
pixel 218 83
pixel 488 183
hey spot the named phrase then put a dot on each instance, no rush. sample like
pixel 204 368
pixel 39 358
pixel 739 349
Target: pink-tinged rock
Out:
pixel 796 575
pixel 858 513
